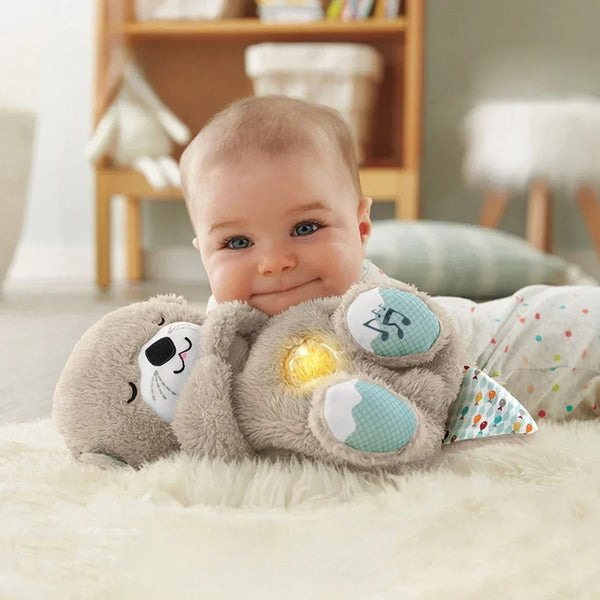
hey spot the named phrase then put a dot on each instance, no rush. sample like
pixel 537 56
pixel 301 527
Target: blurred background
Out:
pixel 473 51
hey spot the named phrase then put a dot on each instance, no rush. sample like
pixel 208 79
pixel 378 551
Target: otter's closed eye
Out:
pixel 134 392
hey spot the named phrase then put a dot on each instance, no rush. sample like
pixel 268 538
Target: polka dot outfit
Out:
pixel 542 344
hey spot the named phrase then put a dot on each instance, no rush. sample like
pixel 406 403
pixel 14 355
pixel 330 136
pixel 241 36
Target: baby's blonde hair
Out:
pixel 269 126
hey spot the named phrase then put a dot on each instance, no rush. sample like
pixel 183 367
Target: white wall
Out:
pixel 46 50
pixel 20 42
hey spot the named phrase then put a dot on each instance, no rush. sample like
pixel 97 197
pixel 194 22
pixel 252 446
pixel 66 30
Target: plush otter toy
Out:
pixel 372 380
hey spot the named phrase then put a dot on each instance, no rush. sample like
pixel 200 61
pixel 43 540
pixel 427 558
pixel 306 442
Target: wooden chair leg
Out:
pixel 539 216
pixel 589 205
pixel 103 199
pixel 494 205
pixel 135 269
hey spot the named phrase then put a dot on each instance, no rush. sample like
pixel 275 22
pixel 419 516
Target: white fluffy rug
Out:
pixel 510 520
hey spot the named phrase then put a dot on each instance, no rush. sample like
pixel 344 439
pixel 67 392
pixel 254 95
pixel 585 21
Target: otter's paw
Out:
pixel 367 417
pixel 392 323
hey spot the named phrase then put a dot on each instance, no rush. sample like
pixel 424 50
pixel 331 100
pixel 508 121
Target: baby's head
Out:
pixel 272 189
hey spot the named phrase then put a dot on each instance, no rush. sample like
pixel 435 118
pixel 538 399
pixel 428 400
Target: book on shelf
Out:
pixel 350 10
pixel 312 10
pixel 334 10
pixel 387 9
pixel 354 10
pixel 393 6
pixel 365 8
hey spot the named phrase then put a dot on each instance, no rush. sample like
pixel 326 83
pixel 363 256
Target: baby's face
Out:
pixel 277 232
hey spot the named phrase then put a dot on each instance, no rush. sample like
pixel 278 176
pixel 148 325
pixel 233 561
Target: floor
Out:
pixel 40 323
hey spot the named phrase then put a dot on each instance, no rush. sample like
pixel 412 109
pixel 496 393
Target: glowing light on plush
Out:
pixel 309 360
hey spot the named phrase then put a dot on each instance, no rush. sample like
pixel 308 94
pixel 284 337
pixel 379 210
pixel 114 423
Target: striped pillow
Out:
pixel 455 259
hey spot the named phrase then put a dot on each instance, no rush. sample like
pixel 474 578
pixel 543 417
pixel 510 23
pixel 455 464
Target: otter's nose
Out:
pixel 161 351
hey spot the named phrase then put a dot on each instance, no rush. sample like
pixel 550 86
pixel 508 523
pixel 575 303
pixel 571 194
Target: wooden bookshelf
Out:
pixel 182 60
pixel 253 30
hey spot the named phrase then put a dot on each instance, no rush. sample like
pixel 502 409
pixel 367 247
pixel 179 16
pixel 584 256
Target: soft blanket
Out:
pixel 512 519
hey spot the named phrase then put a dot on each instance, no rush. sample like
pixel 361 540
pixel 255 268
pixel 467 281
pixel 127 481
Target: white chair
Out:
pixel 535 146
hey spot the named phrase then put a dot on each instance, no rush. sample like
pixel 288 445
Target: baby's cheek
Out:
pixel 228 285
pixel 347 275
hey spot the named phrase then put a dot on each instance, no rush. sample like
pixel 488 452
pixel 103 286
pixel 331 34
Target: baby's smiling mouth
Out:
pixel 284 290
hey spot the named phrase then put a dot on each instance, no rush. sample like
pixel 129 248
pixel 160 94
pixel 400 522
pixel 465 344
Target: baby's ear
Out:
pixel 364 219
pixel 196 244
pixel 99 459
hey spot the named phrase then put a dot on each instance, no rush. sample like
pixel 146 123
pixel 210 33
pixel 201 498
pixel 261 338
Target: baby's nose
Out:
pixel 276 259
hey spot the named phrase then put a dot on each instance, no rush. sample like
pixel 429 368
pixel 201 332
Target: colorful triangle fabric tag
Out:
pixel 484 408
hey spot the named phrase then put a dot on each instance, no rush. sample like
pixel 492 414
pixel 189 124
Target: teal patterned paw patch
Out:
pixel 367 417
pixel 390 322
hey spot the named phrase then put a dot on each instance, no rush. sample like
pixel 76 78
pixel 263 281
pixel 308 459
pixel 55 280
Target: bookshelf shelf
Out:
pixel 252 29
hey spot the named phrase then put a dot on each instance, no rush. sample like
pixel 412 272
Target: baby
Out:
pixel 271 186
pixel 272 190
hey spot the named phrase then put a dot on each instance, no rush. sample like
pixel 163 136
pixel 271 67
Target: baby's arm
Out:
pixel 481 324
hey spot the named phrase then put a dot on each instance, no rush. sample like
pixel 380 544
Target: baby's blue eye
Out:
pixel 238 243
pixel 306 228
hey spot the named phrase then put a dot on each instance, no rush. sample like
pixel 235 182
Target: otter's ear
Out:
pixel 104 461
